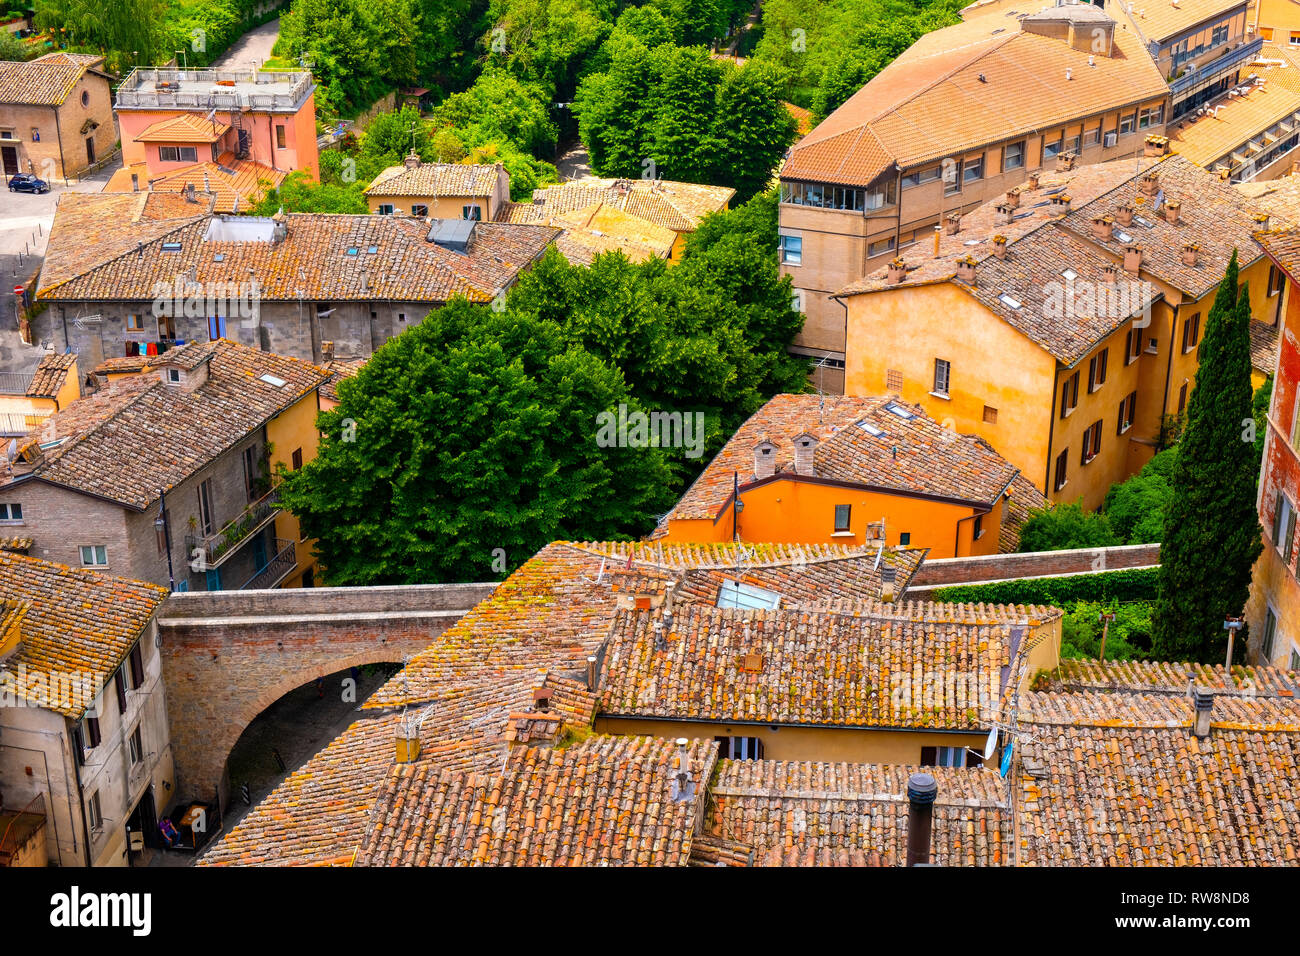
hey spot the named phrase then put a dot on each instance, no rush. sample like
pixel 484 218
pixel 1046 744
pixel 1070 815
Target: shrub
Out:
pixel 1127 584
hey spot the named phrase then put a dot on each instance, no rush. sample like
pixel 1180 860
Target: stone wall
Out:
pixel 1001 567
pixel 227 656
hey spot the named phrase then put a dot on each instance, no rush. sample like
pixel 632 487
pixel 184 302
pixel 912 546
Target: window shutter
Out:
pixel 1277 519
pixel 92 732
pixel 1290 534
pixel 119 681
pixel 137 667
pixel 928 756
pixel 78 745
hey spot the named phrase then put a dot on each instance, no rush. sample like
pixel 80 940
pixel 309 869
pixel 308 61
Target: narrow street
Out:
pixel 252 49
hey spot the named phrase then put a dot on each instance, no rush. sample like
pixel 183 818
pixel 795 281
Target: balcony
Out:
pixel 276 570
pixel 1187 83
pixel 199 89
pixel 221 544
pixel 17 424
pixel 16 383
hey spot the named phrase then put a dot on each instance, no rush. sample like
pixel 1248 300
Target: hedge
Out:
pixel 1128 584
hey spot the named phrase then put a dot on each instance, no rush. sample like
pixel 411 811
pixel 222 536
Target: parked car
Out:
pixel 27 183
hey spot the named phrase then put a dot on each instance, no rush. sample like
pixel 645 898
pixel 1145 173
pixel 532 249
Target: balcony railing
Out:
pixel 165 88
pixel 276 570
pixel 221 544
pixel 1215 68
pixel 15 424
pixel 15 383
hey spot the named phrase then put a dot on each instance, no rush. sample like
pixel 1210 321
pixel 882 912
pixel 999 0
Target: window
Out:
pixel 740 748
pixel 972 170
pixel 1127 123
pixel 1295 421
pixel 178 154
pixel 904 539
pixel 1132 346
pixel 173 376
pixel 251 471
pixel 1013 156
pixel 1092 442
pixel 880 247
pixel 791 250
pixel 942 376
pixel 216 327
pixel 134 322
pixel 990 415
pixel 1295 654
pixel 1275 280
pixel 119 684
pixel 297 459
pixel 735 594
pixel 842 516
pixel 1182 399
pixel 796 300
pixel 206 524
pixel 948 757
pixel 893 380
pixel 979 527
pixel 471 212
pixel 1070 395
pixel 922 177
pixel 952 179
pixel 1152 116
pixel 1091 137
pixel 279 136
pixel 1153 346
pixel 90 732
pixel 1053 146
pixel 171 247
pixel 1097 370
pixel 85 97
pixel 1283 526
pixel 1270 631
pixel 1127 409
pixel 94 813
pixel 11 513
pixel 826 196
pixel 419 209
pixel 384 209
pixel 1295 38
pixel 1266 33
pixel 1219 35
pixel 1191 332
pixel 1062 467
pixel 135 661
pixel 94 555
pixel 136 747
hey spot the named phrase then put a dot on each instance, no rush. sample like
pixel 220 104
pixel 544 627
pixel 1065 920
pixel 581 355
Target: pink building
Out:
pixel 233 130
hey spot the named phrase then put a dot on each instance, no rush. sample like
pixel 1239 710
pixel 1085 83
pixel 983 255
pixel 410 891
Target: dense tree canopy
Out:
pixel 1065 526
pixel 1212 536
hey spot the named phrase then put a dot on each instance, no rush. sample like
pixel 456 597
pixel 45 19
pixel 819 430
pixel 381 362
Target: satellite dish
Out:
pixel 991 744
pixel 11 452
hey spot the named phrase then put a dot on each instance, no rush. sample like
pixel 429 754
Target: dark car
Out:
pixel 27 183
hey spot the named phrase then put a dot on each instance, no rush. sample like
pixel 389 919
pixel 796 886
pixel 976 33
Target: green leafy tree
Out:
pixel 1064 526
pixel 758 130
pixel 694 21
pixel 1137 508
pixel 469 438
pixel 299 193
pixel 547 41
pixel 526 172
pixel 391 135
pixel 1259 403
pixel 1213 534
pixel 12 48
pixel 500 108
pixel 126 32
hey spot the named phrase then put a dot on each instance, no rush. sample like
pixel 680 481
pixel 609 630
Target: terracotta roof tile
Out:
pixel 51 374
pixel 672 205
pixel 436 179
pixel 45 81
pixel 183 128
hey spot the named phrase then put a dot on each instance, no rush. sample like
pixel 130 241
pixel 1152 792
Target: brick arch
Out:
pixel 226 659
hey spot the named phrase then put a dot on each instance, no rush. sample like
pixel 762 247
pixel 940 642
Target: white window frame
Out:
pixel 7 515
pixel 735 594
pixel 787 257
pixel 98 555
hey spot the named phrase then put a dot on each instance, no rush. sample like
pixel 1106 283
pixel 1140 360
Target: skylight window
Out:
pixel 899 410
pixel 1124 236
pixel 1141 222
pixel 52 444
pixel 871 429
pixel 372 249
pixel 1009 301
pixel 171 247
pixel 219 257
pixel 270 379
pixel 1069 275
pixel 352 250
pixel 735 594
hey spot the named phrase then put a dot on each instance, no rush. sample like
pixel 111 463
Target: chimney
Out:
pixel 921 791
pixel 1133 259
pixel 542 699
pixel 764 459
pixel 591 673
pixel 412 160
pixel 1061 203
pixel 1006 212
pixel 408 740
pixel 1109 273
pixel 135 182
pixel 888 584
pixel 682 788
pixel 1173 209
pixel 952 223
pixel 966 269
pixel 1065 161
pixel 805 444
pixel 189 193
pixel 1013 198
pixel 1000 246
pixel 1203 700
pixel 1150 184
pixel 897 271
pixel 1155 146
pixel 938 234
pixel 1261 221
pixel 326 352
pixel 1032 180
pixel 1124 214
pixel 1189 254
pixel 1102 227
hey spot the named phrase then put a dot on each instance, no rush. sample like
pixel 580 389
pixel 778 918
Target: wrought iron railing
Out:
pixel 226 540
pixel 1215 67
pixel 16 383
pixel 276 570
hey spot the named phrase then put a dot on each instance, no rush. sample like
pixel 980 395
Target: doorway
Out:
pixel 144 821
pixel 9 156
pixel 90 150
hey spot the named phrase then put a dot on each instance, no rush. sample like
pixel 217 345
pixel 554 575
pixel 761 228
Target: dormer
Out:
pixel 181 374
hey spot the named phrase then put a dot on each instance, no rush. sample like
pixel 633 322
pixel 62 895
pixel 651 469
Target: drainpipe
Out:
pixel 1051 428
pixel 81 805
pixel 63 162
pixel 921 791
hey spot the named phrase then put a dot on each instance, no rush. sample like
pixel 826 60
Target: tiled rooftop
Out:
pixel 1163 19
pixel 913 455
pixel 75 622
pixel 320 256
pixel 671 205
pixel 51 374
pixel 46 80
pixel 436 179
pixel 1284 248
pixel 138 434
pixel 338 370
pixel 184 128
pixel 229 185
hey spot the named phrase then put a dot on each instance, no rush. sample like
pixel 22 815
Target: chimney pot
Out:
pixel 1155 146
pixel 897 271
pixel 135 182
pixel 1261 220
pixel 1013 198
pixel 1006 212
pixel 805 444
pixel 764 459
pixel 1000 246
pixel 1189 254
pixel 1109 273
pixel 1151 184
pixel 1061 203
pixel 412 160
pixel 1203 701
pixel 1032 180
pixel 1065 161
pixel 952 223
pixel 542 699
pixel 408 741
pixel 1173 209
pixel 1102 227
pixel 921 793
pixel 591 673
pixel 1133 259
pixel 966 269
pixel 1124 214
pixel 327 351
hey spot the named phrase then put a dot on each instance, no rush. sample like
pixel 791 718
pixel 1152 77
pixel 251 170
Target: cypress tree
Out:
pixel 1212 535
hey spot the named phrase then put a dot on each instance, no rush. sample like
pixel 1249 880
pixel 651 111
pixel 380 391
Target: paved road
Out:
pixel 250 50
pixel 574 164
pixel 24 229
